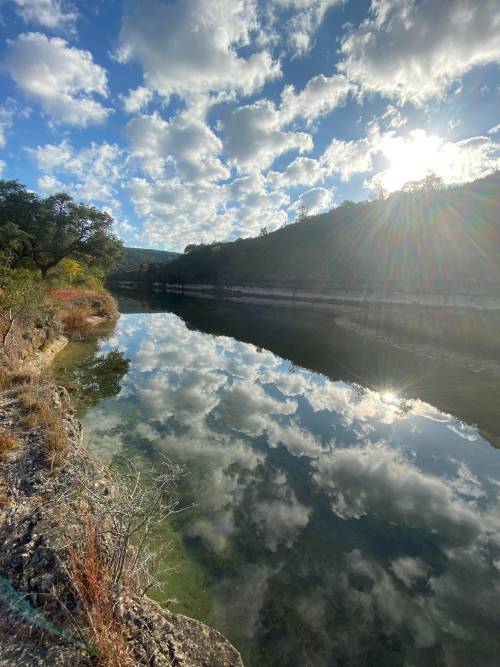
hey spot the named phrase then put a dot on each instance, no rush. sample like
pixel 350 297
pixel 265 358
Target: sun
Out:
pixel 389 396
pixel 411 158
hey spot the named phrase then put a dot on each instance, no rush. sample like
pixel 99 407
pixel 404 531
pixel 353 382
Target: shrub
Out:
pixel 76 319
pixel 91 579
pixel 21 299
pixel 41 411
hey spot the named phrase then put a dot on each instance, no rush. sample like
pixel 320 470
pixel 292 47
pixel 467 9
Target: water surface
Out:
pixel 338 519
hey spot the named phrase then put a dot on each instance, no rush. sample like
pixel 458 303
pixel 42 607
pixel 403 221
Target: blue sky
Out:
pixel 201 120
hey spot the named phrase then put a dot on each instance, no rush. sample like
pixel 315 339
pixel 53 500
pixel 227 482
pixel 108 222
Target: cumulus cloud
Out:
pixel 251 497
pixel 409 570
pixel 90 173
pixel 136 99
pixel 301 171
pixel 281 520
pixel 254 138
pixel 62 78
pixel 321 94
pixel 52 14
pixel 186 142
pixel 314 200
pixel 375 480
pixel 413 51
pixel 6 120
pixel 191 47
pixel 346 158
pixel 306 17
pixel 176 214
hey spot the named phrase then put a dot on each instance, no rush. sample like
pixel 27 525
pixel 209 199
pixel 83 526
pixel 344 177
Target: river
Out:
pixel 341 495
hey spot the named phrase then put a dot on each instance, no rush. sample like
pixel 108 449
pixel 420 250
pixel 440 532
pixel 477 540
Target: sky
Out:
pixel 194 121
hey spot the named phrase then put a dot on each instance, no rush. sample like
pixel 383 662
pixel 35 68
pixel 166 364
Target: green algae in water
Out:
pixel 331 524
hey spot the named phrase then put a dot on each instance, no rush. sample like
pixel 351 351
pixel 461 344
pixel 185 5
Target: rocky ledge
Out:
pixel 47 510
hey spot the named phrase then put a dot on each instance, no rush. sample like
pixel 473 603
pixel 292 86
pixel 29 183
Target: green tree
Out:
pixel 20 297
pixel 45 231
pixel 71 268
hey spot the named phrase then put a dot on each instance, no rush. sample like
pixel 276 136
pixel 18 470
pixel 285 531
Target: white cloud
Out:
pixel 89 174
pixel 186 142
pixel 375 480
pixel 301 171
pixel 410 157
pixel 494 130
pixel 52 14
pixel 176 214
pixel 409 570
pixel 253 136
pixel 315 200
pixel 62 78
pixel 281 521
pixel 190 47
pixel 413 51
pixel 305 20
pixel 6 116
pixel 320 95
pixel 348 157
pixel 393 117
pixel 136 99
pixel 49 184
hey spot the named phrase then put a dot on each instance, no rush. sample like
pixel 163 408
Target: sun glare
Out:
pixel 411 158
pixel 389 397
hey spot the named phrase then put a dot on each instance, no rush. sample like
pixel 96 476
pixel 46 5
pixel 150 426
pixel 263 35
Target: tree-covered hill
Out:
pixel 135 258
pixel 425 235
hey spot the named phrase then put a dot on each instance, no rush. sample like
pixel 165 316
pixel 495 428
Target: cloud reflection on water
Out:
pixel 385 511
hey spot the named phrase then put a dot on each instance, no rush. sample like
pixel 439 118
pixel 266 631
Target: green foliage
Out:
pixel 71 268
pixel 21 297
pixel 133 258
pixel 45 231
pixel 87 277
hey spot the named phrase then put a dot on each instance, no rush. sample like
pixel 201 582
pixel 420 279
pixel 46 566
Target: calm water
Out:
pixel 341 517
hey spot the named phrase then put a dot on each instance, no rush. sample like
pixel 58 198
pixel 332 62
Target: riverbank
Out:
pixel 465 337
pixel 71 582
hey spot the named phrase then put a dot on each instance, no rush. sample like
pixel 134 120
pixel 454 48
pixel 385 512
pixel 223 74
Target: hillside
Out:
pixel 134 258
pixel 415 238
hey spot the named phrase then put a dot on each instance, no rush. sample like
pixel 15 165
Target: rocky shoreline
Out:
pixel 51 509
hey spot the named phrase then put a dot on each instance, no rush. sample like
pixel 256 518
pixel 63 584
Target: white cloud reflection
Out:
pixel 236 417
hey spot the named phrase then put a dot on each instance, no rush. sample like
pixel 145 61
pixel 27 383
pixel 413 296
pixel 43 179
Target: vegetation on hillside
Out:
pixel 134 259
pixel 420 235
pixel 50 247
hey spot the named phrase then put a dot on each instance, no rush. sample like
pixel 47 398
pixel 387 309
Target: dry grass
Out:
pixel 8 442
pixel 92 582
pixel 21 377
pixel 75 319
pixel 4 378
pixel 40 411
pixel 4 500
pixel 98 302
